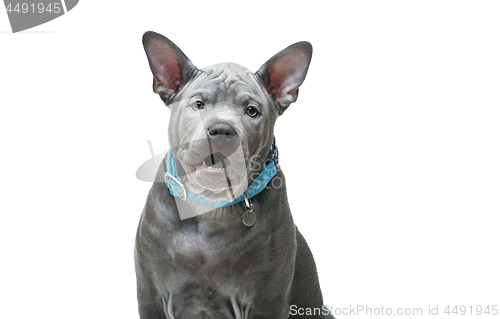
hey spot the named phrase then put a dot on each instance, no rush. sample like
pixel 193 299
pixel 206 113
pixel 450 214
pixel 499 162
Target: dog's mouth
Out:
pixel 216 176
pixel 215 166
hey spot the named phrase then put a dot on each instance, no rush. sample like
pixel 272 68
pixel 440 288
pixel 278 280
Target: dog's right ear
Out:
pixel 170 66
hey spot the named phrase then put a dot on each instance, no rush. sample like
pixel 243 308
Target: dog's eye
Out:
pixel 252 111
pixel 199 105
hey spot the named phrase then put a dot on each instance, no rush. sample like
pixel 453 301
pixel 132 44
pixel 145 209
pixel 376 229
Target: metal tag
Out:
pixel 248 217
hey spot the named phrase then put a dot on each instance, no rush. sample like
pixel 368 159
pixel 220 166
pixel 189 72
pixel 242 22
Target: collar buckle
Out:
pixel 184 191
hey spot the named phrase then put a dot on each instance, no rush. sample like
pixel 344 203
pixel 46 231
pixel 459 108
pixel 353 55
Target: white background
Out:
pixel 391 152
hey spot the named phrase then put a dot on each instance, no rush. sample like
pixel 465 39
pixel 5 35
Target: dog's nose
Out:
pixel 221 130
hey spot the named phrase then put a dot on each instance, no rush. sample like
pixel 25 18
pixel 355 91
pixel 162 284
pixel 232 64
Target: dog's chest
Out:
pixel 195 253
pixel 210 252
pixel 209 271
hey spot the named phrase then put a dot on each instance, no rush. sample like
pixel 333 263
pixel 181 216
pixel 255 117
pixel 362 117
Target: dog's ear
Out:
pixel 284 73
pixel 170 66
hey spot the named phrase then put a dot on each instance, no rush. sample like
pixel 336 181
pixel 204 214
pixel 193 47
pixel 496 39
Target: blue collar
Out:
pixel 177 189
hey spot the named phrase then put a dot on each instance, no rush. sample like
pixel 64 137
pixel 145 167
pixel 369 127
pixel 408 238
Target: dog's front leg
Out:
pixel 151 311
pixel 152 305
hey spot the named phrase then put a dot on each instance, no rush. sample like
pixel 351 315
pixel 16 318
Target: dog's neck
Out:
pixel 183 188
pixel 195 205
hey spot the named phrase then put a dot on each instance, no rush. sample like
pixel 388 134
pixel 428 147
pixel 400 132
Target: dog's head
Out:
pixel 222 121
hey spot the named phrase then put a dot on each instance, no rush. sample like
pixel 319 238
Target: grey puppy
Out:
pixel 215 265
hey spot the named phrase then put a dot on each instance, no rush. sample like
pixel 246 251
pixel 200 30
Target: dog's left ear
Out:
pixel 170 66
pixel 284 73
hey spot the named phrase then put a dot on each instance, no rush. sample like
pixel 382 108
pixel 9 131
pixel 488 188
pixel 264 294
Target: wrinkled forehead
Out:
pixel 228 81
